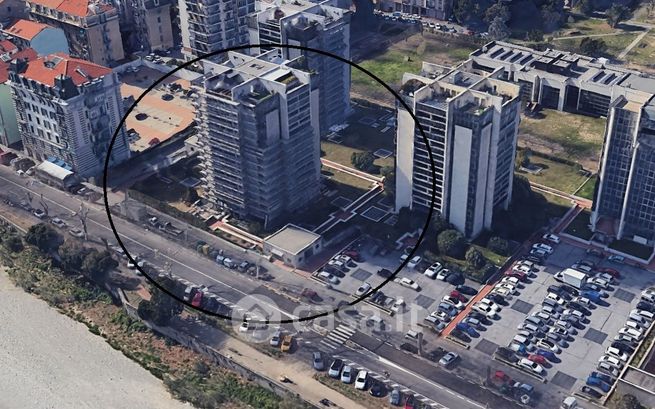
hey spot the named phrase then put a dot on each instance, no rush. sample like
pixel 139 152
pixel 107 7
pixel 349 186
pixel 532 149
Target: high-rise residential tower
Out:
pixel 259 135
pixel 317 26
pixel 213 25
pixel 624 203
pixel 471 123
pixel 67 111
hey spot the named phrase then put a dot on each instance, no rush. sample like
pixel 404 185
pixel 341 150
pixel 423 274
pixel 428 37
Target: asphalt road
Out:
pixel 423 377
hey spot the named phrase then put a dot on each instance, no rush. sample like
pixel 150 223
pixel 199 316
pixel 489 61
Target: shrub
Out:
pixel 451 243
pixel 498 245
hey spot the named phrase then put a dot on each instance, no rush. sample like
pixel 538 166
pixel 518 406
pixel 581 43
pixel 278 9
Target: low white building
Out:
pixel 293 245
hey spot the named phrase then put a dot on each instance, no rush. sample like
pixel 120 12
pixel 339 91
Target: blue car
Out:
pixel 549 355
pixel 593 296
pixel 603 377
pixel 597 382
pixel 462 326
pixel 448 309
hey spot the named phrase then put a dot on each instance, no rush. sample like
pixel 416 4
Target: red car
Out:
pixel 410 402
pixel 353 254
pixel 518 274
pixel 458 296
pixel 197 299
pixel 537 358
pixel 610 271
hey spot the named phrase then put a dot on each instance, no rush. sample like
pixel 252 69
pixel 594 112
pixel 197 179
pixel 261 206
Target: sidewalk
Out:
pixel 300 373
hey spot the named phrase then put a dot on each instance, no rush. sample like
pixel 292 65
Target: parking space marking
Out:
pixel 624 295
pixel 424 301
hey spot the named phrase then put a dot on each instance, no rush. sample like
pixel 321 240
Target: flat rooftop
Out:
pixel 640 378
pixel 292 239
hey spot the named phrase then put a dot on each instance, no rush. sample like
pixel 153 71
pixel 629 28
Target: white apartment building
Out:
pixel 67 111
pixel 258 136
pixel 471 123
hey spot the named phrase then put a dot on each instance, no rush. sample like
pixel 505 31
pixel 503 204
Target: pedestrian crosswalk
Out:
pixel 338 336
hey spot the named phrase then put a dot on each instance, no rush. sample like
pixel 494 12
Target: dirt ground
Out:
pixel 539 144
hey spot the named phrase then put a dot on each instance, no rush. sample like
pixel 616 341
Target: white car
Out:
pixel 503 292
pixel 432 271
pixel 338 264
pixel 583 268
pixel 544 247
pixel 512 280
pixel 414 262
pixel 344 259
pixel 443 274
pixel 616 353
pixel 532 366
pixel 575 313
pixel 649 316
pixel 441 315
pixel 347 374
pixel 544 316
pixel 485 309
pixel 363 289
pixel 539 253
pixel 559 300
pixel 602 283
pixel 361 380
pixel 551 238
pixel 548 346
pixel 325 276
pixel 76 233
pixel 522 268
pixel 606 277
pixel 398 305
pixel 491 304
pixel 582 300
pixel 39 213
pixel 58 222
pixel 507 286
pixel 407 282
pixel 608 369
pixel 615 362
pixel 638 326
pixel 554 314
pixel 632 332
pixel 453 301
pixel 648 294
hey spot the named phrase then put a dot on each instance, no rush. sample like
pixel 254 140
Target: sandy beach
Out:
pixel 51 361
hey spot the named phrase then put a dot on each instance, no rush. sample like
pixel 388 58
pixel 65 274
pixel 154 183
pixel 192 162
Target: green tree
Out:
pixel 535 35
pixel 451 243
pixel 498 10
pixel 475 259
pixel 161 308
pixel 44 237
pixel 72 254
pixel 616 14
pixel 439 224
pixel 13 243
pixel 498 245
pixel 592 47
pixel 498 29
pixel 586 7
pixel 97 264
pixel 362 160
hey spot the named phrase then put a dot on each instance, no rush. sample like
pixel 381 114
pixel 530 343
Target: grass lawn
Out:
pixel 407 56
pixel 587 190
pixel 348 185
pixel 615 44
pixel 586 26
pixel 579 227
pixel 557 175
pixel 632 248
pixel 341 154
pixel 578 135
pixel 497 259
pixel 644 52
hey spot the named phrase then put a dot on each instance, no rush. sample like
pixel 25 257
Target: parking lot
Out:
pixel 576 361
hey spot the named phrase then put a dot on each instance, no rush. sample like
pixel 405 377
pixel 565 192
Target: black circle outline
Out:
pixel 295 47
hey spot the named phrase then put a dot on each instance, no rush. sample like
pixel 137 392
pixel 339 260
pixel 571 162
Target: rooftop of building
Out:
pixel 292 239
pixel 29 54
pixel 77 8
pixel 46 69
pixel 7 47
pixel 289 8
pixel 26 29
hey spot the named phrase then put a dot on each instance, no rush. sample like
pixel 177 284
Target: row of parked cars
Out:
pixel 618 353
pixel 338 266
pixel 361 379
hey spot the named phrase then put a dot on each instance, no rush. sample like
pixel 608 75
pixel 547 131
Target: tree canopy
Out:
pixel 451 243
pixel 616 14
pixel 362 160
pixel 44 237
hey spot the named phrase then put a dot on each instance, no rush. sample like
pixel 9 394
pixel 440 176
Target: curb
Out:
pixel 458 342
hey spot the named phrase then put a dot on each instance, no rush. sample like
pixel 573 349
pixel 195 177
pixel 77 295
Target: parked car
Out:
pixel 616 259
pixel 58 222
pixel 318 361
pixel 362 380
pixel 335 368
pixel 551 238
pixel 549 355
pixel 363 289
pixel 443 274
pixel 276 339
pixel 398 305
pixel 608 369
pixel 448 309
pixel 537 358
pixel 610 271
pixel 646 306
pixel 415 261
pixel 457 295
pixel 549 345
pixel 325 276
pixel 347 374
pixel 395 397
pixel 603 377
pixel 591 392
pixel 378 389
pixel 287 342
pixel 542 246
pixel 432 271
pixel 464 289
pixel 76 233
pixel 531 366
pixel 463 326
pixel 448 360
pixel 454 301
pixel 485 309
pixel 617 353
pixel 408 282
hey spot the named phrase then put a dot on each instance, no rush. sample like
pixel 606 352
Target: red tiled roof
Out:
pixel 26 29
pixel 45 69
pixel 78 8
pixel 7 46
pixel 28 53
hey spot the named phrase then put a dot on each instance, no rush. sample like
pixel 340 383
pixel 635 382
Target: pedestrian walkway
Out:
pixel 633 44
pixel 338 336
